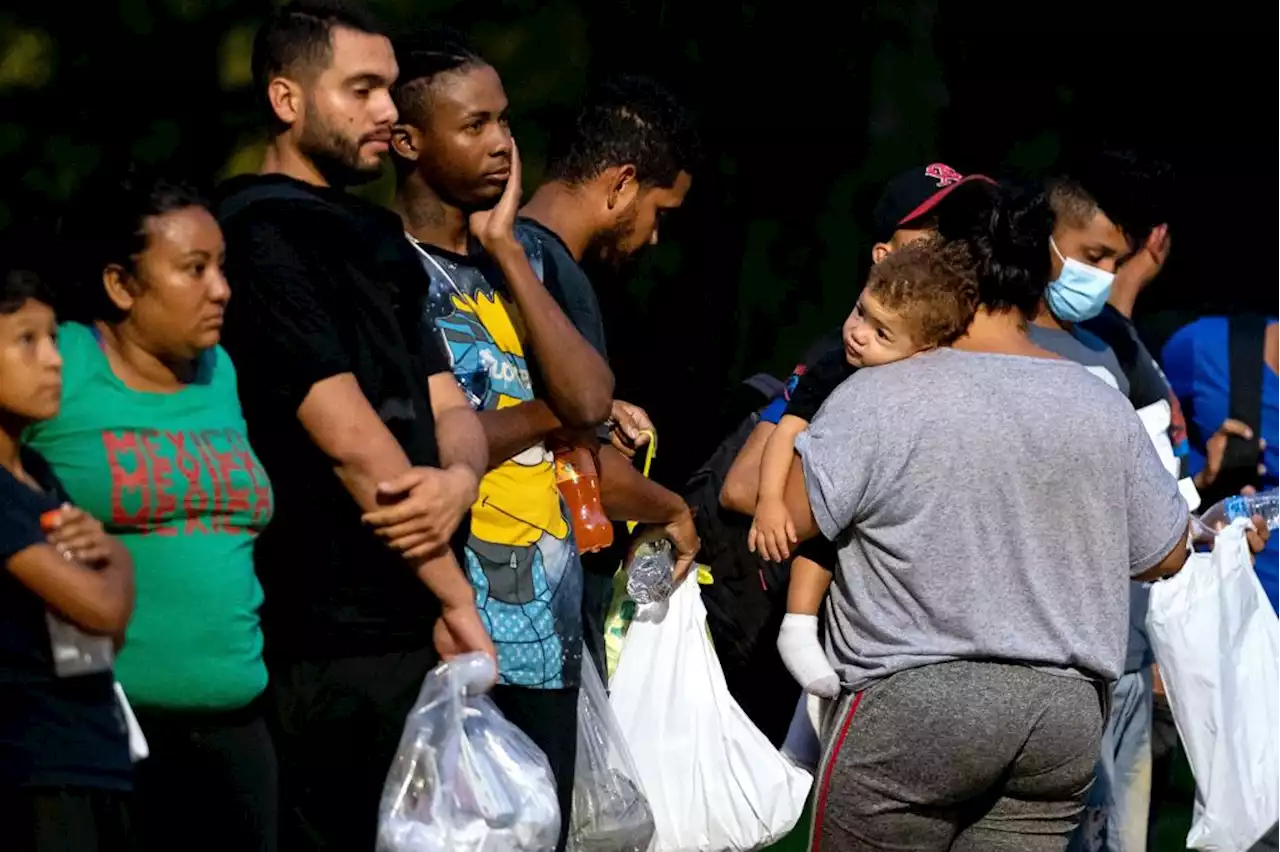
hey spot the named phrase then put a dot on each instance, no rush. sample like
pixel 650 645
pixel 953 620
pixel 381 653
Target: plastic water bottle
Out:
pixel 649 572
pixel 1221 514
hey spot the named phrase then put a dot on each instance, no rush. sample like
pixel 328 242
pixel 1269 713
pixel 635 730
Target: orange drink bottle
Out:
pixel 579 484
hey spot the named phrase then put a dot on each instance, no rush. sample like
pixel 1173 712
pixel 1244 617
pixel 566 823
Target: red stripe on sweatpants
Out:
pixel 820 808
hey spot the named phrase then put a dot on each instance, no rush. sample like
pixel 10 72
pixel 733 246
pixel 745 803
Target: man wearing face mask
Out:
pixel 1103 212
pixel 1087 245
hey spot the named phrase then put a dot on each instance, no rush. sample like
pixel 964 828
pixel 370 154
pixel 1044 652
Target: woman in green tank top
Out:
pixel 152 441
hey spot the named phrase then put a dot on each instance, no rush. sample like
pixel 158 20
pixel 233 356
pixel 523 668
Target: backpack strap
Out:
pixel 1248 335
pixel 765 384
pixel 703 487
pixel 1246 339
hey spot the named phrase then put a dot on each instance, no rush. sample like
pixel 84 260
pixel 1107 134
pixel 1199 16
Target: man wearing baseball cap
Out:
pixel 909 204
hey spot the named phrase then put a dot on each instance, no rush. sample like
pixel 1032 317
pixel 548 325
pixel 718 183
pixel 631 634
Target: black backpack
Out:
pixel 747 600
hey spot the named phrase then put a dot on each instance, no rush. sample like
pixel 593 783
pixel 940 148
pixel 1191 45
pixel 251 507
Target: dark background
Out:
pixel 806 109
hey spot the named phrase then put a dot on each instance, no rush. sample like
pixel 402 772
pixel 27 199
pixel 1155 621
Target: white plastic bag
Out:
pixel 1217 641
pixel 464 779
pixel 610 811
pixel 715 783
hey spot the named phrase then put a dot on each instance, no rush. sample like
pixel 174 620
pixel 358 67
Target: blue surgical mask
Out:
pixel 1080 292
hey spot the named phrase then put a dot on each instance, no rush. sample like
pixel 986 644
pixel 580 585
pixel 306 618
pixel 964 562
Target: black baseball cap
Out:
pixel 914 194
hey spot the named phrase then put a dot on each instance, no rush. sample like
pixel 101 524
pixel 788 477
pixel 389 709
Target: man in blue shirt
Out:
pixel 1198 364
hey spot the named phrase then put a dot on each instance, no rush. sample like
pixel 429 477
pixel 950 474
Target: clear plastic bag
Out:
pixel 610 811
pixel 464 779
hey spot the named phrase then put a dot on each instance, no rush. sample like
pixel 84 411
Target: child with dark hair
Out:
pixel 65 591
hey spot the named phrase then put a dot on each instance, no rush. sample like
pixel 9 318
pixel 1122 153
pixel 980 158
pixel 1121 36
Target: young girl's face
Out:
pixel 875 335
pixel 30 366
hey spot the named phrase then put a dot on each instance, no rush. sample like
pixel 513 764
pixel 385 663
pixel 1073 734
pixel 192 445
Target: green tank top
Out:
pixel 174 478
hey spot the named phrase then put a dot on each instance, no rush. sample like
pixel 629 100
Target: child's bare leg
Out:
pixel 798 642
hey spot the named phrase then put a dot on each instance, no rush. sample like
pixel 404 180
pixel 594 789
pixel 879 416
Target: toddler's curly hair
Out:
pixel 933 285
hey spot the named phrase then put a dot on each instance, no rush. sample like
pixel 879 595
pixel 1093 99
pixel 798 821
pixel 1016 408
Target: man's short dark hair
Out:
pixel 626 120
pixel 1135 192
pixel 300 38
pixel 423 57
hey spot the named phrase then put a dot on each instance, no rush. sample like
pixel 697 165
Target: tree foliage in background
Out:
pixel 807 108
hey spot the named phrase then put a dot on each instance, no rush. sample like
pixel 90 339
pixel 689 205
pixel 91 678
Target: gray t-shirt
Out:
pixel 984 507
pixel 1086 348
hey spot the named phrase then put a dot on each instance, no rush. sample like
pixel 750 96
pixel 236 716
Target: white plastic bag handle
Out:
pixel 138 749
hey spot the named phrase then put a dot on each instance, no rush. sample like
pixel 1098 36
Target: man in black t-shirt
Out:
pixel 622 163
pixel 66 588
pixel 358 419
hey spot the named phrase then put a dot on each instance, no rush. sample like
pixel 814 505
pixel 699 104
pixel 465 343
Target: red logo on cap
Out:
pixel 943 174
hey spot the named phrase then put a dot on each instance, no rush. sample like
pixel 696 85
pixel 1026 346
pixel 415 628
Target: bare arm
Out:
pixel 1173 562
pixel 509 431
pixel 627 496
pixel 779 452
pixel 742 482
pixel 340 421
pixel 808 586
pixel 1170 565
pixel 459 435
pixel 796 499
pixel 578 380
pixel 99 600
pixel 772 532
pixel 342 424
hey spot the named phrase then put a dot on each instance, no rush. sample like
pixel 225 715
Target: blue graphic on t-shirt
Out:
pixel 521 557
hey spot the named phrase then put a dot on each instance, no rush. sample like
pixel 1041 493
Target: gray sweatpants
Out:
pixel 971 756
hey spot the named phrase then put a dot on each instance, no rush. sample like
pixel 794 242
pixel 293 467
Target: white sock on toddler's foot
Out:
pixel 804 656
